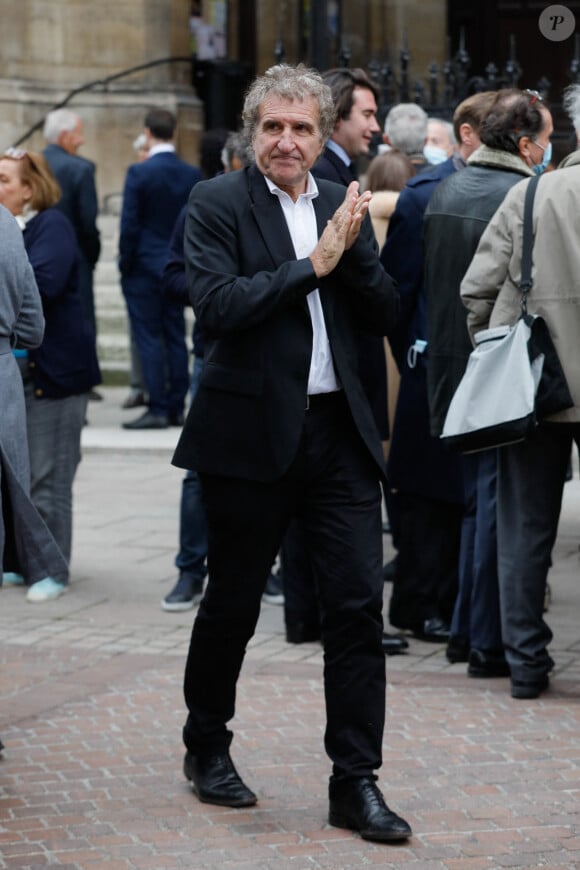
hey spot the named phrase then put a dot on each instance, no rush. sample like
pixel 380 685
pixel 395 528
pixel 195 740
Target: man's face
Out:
pixel 438 136
pixel 532 149
pixel 71 140
pixel 355 133
pixel 287 141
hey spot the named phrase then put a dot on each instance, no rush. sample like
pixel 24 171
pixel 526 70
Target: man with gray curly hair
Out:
pixel 282 273
pixel 571 103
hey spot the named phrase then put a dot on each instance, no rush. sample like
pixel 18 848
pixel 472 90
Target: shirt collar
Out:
pixel 164 148
pixel 310 193
pixel 27 215
pixel 339 151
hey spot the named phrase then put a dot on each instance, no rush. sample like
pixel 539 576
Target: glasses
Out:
pixel 16 153
pixel 535 96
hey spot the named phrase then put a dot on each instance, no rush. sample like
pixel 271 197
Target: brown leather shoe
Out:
pixel 215 780
pixel 357 804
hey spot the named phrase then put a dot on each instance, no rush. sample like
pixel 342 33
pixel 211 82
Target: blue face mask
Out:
pixel 538 168
pixel 434 155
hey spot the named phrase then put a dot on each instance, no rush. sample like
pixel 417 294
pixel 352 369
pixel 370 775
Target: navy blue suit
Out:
pixel 425 475
pixel 76 177
pixel 155 192
pixel 65 364
pixel 192 555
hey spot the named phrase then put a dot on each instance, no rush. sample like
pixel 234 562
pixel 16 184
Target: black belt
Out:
pixel 320 400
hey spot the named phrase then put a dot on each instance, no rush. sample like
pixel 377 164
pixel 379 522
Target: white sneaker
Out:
pixel 9 578
pixel 45 590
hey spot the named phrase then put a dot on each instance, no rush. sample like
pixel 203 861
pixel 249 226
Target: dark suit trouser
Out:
pixel 531 479
pixel 476 618
pixel 425 581
pixel 159 331
pixel 301 608
pixel 333 486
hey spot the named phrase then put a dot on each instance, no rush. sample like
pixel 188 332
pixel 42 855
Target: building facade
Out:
pixel 52 49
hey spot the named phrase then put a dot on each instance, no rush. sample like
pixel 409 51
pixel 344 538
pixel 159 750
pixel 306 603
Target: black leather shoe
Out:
pixel 147 421
pixel 302 632
pixel 433 630
pixel 134 400
pixel 215 780
pixel 175 419
pixel 527 691
pixel 389 570
pixel 357 804
pixel 393 645
pixel 487 664
pixel 187 591
pixel 457 650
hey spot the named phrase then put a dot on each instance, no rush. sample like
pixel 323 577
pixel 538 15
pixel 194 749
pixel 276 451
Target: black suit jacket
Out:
pixel 330 166
pixel 249 293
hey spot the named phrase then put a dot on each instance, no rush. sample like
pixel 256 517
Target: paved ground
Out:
pixel 92 710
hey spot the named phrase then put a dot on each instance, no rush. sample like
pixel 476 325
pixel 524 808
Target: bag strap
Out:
pixel 528 242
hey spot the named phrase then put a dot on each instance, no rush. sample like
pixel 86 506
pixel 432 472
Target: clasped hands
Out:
pixel 341 231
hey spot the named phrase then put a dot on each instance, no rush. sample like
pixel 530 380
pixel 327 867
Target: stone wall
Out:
pixel 50 47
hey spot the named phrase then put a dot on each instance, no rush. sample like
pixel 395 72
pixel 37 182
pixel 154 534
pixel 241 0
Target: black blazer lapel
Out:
pixel 269 218
pixel 343 172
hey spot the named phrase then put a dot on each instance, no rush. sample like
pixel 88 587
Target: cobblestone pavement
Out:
pixel 92 710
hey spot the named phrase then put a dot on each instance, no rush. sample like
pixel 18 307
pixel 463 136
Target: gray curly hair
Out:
pixel 571 104
pixel 290 83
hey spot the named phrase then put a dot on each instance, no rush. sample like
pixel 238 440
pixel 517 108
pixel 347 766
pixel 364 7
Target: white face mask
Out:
pixel 434 155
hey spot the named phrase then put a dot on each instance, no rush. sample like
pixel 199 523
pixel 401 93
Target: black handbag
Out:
pixel 513 377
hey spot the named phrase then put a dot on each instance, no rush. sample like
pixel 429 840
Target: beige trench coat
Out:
pixel 490 287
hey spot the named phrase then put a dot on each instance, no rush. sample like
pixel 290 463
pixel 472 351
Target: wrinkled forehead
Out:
pixel 275 106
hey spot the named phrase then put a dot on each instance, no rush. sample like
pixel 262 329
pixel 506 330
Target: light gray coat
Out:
pixel 26 545
pixel 490 287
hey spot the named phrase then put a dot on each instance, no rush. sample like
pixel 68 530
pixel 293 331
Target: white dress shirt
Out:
pixel 301 221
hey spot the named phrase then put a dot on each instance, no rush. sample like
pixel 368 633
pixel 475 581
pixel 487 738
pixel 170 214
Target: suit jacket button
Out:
pixel 38 393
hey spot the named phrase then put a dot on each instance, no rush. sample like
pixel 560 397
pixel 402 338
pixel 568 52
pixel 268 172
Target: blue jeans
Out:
pixel 191 558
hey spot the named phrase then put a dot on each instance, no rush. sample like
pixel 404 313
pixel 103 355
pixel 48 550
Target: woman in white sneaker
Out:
pixel 27 548
pixel 59 374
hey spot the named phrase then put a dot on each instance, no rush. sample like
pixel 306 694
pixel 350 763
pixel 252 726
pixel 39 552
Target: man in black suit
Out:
pixel 281 270
pixel 63 132
pixel 355 102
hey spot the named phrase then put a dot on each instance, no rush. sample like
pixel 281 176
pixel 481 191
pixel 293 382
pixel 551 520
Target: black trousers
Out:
pixel 426 577
pixel 531 478
pixel 333 487
pixel 301 608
